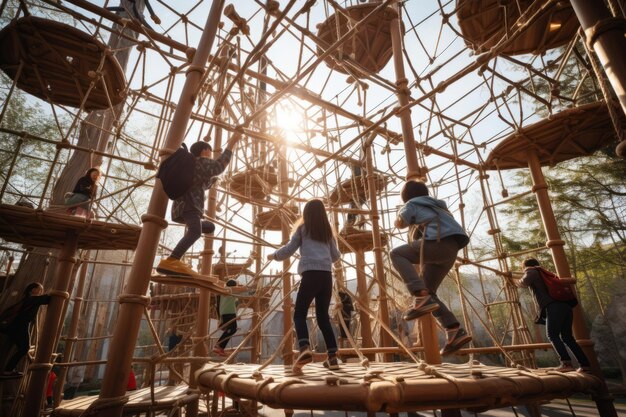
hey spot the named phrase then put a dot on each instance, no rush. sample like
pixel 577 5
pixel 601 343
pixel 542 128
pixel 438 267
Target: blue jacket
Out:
pixel 440 222
pixel 314 255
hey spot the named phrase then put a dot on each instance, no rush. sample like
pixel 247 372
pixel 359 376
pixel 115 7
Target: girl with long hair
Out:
pixel 314 236
pixel 85 190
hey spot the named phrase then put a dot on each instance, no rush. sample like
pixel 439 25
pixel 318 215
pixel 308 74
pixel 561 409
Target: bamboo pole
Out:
pixel 379 264
pixel 39 369
pixel 363 294
pixel 604 401
pixel 71 339
pixel 112 396
pixel 605 35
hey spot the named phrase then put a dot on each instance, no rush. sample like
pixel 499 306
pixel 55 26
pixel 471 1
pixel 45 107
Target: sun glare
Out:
pixel 289 120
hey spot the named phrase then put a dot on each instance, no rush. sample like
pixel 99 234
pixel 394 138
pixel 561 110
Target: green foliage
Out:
pixel 24 114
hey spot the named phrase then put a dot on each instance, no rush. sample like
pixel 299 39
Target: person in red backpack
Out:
pixel 189 208
pixel 558 315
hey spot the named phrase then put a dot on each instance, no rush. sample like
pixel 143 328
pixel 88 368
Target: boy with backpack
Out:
pixel 557 309
pixel 188 207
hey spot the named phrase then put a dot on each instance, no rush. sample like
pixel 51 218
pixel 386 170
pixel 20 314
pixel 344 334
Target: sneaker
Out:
pixel 331 363
pixel 423 305
pixel 456 338
pixel 171 266
pixel 565 366
pixel 219 351
pixel 305 356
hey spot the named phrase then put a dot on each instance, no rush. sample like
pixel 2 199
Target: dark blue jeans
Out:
pixel 318 286
pixel 195 227
pixel 228 323
pixel 559 320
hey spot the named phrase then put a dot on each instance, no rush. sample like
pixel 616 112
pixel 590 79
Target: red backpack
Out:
pixel 557 289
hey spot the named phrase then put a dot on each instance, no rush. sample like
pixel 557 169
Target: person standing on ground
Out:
pixel 189 208
pixel 434 252
pixel 558 315
pixel 314 236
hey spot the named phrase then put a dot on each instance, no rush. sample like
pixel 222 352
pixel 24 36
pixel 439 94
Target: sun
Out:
pixel 289 120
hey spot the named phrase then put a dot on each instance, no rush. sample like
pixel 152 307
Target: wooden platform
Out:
pixel 212 284
pixel 355 189
pixel 59 64
pixel 255 183
pixel 482 24
pixel 165 398
pixel 393 387
pixel 275 219
pixel 231 269
pixel 575 132
pixel 358 241
pixel 371 44
pixel 33 227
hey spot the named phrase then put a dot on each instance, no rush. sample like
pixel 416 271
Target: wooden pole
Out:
pixel 364 300
pixel 379 264
pixel 604 401
pixel 72 332
pixel 606 36
pixel 283 177
pixel 39 369
pixel 112 395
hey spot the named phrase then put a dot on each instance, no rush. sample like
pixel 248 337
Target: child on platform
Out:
pixel 189 208
pixel 314 236
pixel 559 318
pixel 435 252
pixel 85 190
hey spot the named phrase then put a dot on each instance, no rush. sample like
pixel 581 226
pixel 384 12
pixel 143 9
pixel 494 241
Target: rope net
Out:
pixel 314 99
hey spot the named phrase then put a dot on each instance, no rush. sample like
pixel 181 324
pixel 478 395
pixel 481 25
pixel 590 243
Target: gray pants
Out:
pixel 439 258
pixel 195 227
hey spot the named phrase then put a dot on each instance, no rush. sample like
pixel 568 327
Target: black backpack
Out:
pixel 176 173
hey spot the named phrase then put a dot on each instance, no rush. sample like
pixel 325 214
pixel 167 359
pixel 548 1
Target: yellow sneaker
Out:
pixel 171 266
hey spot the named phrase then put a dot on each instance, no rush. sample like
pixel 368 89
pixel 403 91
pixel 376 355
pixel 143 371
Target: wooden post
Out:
pixel 39 369
pixel 379 264
pixel 604 401
pixel 72 332
pixel 362 293
pixel 414 171
pixel 112 395
pixel 283 176
pixel 606 36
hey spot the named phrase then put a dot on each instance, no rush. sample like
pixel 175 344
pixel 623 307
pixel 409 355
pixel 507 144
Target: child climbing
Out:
pixel 228 319
pixel 17 329
pixel 85 190
pixel 558 315
pixel 189 208
pixel 318 251
pixel 435 253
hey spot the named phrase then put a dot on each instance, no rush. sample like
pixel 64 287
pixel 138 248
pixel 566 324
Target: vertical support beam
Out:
pixel 39 369
pixel 414 171
pixel 604 401
pixel 112 395
pixel 283 177
pixel 379 264
pixel 68 354
pixel 606 36
pixel 361 282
